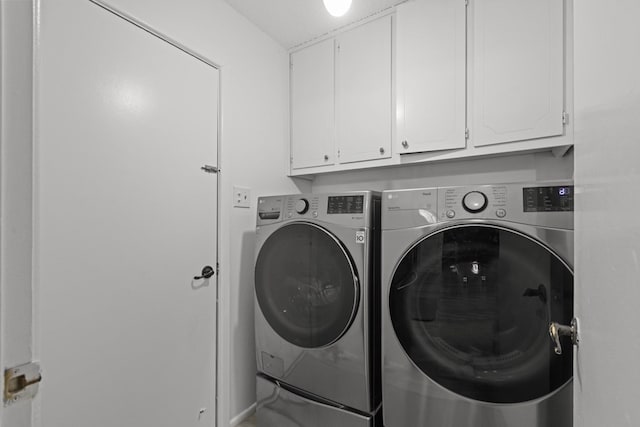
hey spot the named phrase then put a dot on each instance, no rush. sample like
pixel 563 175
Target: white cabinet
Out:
pixel 517 85
pixel 437 80
pixel 312 106
pixel 341 99
pixel 431 84
pixel 363 92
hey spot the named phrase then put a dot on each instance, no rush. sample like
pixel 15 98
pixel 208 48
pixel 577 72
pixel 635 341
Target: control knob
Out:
pixel 474 202
pixel 302 206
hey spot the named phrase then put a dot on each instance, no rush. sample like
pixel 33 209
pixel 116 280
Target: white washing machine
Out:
pixel 473 277
pixel 317 310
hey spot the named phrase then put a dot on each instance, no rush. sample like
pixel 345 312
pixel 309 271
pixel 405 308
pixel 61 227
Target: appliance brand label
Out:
pixel 360 237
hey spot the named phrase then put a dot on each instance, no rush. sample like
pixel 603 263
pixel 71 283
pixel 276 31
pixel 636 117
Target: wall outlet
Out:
pixel 241 197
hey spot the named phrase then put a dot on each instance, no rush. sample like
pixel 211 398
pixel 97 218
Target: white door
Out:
pixel 363 92
pixel 312 106
pixel 125 219
pixel 607 177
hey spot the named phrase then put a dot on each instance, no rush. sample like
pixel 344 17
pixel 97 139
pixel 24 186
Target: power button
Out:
pixel 501 213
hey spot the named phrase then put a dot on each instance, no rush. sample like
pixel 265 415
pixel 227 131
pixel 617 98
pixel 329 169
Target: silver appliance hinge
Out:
pixel 565 117
pixel 210 169
pixel 21 383
pixel 466 133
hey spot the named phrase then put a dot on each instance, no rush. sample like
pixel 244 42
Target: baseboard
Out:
pixel 242 416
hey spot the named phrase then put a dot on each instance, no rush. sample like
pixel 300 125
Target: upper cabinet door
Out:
pixel 517 70
pixel 431 80
pixel 363 95
pixel 312 106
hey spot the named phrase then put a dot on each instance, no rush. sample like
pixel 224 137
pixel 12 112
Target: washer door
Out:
pixel 471 306
pixel 306 285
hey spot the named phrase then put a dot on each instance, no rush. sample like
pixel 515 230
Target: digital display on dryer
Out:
pixel 548 199
pixel 345 205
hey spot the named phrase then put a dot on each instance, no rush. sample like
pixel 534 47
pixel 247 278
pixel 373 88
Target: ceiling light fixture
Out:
pixel 337 7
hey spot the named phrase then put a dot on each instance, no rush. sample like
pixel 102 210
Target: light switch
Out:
pixel 241 197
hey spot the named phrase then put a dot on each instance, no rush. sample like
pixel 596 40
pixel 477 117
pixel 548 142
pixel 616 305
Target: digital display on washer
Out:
pixel 548 199
pixel 345 205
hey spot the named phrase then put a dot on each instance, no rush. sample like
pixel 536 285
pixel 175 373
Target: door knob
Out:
pixel 557 330
pixel 207 272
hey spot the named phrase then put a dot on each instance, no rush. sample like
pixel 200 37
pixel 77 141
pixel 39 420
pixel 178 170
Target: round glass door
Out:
pixel 306 285
pixel 471 306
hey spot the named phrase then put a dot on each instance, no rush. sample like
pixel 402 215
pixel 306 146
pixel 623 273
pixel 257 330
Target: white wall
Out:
pixel 607 135
pixel 254 140
pixel 514 168
pixel 15 195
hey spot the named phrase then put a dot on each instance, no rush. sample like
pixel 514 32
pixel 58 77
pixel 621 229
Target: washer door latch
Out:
pixel 557 330
pixel 21 382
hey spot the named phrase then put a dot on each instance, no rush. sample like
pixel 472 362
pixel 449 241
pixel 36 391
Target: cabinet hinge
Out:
pixel 565 117
pixel 291 159
pixel 466 2
pixel 217 269
pixel 21 383
pixel 466 133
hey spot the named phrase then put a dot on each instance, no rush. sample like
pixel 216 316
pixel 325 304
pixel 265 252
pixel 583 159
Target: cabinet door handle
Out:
pixel 326 157
pixel 405 144
pixel 381 150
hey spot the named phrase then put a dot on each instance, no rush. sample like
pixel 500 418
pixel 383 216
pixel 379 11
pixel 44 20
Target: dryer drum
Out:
pixel 471 305
pixel 306 285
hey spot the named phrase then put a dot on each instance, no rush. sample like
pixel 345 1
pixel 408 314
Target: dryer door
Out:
pixel 306 285
pixel 471 306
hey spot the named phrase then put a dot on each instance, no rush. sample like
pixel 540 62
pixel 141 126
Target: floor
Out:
pixel 249 422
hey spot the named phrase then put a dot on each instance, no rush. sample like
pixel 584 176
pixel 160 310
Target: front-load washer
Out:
pixel 472 279
pixel 317 310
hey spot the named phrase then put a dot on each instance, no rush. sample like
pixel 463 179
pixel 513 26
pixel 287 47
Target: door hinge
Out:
pixel 217 269
pixel 21 382
pixel 466 2
pixel 210 169
pixel 291 159
pixel 565 117
pixel 466 133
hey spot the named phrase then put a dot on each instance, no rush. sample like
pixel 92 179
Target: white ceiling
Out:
pixel 293 22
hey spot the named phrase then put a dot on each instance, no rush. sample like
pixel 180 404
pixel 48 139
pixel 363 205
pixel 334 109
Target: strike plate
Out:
pixel 21 383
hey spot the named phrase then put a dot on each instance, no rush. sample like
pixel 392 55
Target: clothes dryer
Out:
pixel 473 277
pixel 317 310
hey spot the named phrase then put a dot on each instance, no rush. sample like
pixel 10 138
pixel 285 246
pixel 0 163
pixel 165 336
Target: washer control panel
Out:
pixel 297 206
pixel 546 204
pixel 550 198
pixel 349 208
pixel 488 201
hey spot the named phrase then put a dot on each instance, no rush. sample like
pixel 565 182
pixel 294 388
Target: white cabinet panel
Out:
pixel 363 95
pixel 517 91
pixel 312 106
pixel 431 65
